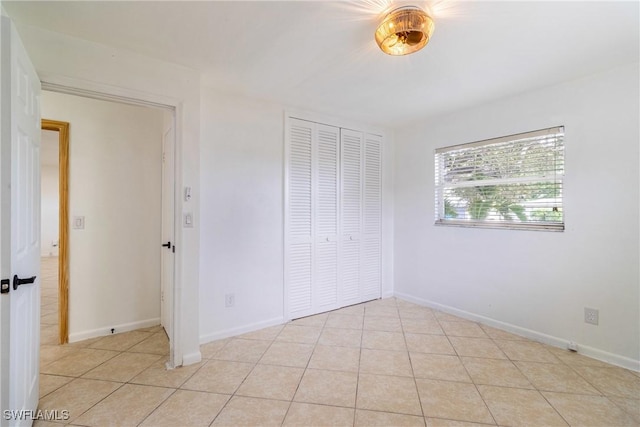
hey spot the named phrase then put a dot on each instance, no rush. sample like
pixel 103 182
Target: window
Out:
pixel 509 182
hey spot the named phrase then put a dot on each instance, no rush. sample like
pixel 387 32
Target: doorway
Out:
pixel 117 163
pixel 55 234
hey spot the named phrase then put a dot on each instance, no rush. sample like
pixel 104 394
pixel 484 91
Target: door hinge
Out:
pixel 5 286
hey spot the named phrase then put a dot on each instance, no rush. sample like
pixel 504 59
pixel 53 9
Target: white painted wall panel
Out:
pixel 242 216
pixel 242 249
pixel 539 281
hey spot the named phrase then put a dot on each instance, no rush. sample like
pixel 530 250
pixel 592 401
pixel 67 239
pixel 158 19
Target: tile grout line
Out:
pixel 256 364
pixel 81 375
pixel 495 422
pixel 304 371
pixel 324 326
pixel 233 394
pixel 415 381
pixel 158 405
pixel 355 410
pixel 355 404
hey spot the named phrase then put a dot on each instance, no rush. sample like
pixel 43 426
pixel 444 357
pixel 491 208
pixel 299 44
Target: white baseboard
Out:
pixel 124 327
pixel 240 330
pixel 191 358
pixel 595 353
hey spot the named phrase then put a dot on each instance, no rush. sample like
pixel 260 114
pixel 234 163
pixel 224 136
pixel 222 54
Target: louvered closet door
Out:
pixel 298 238
pixel 351 216
pixel 372 218
pixel 332 217
pixel 325 221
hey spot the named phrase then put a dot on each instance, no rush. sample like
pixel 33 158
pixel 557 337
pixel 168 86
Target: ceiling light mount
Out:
pixel 404 30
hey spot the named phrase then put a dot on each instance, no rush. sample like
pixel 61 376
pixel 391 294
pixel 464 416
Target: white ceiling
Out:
pixel 321 56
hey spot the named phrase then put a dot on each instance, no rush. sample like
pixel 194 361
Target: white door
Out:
pixel 372 218
pixel 298 218
pixel 311 241
pixel 168 235
pixel 325 218
pixel 351 215
pixel 20 226
pixel 333 217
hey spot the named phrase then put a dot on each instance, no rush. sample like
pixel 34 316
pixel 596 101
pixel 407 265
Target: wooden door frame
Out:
pixel 63 247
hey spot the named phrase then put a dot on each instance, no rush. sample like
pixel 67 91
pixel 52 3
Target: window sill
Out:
pixel 504 226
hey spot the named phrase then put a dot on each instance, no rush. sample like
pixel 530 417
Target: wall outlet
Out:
pixel 229 300
pixel 591 316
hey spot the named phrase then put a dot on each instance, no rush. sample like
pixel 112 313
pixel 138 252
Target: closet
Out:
pixel 333 217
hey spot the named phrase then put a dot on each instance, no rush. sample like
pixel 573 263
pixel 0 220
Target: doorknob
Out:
pixel 17 281
pixel 167 245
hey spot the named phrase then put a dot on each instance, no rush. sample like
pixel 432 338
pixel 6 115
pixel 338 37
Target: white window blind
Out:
pixel 509 182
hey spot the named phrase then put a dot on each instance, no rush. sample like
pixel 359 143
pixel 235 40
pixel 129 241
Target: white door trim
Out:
pixel 126 96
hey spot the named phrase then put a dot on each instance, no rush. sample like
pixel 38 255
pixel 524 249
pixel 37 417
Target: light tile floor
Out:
pixel 383 363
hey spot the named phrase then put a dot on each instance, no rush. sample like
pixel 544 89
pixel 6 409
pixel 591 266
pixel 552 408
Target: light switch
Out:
pixel 188 220
pixel 78 222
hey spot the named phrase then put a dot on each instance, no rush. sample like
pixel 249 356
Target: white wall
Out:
pixel 49 208
pixel 82 64
pixel 242 171
pixel 115 159
pixel 538 282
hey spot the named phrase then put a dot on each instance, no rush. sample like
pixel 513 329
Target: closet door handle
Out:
pixel 167 245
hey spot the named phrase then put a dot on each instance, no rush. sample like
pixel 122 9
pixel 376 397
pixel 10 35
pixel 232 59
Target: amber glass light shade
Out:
pixel 404 30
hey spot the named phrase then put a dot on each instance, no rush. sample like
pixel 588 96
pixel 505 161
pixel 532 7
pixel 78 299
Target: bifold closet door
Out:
pixel 311 221
pixel 333 217
pixel 361 217
pixel 351 216
pixel 325 218
pixel 298 217
pixel 372 218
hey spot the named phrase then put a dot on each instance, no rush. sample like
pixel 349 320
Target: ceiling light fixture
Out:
pixel 404 30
